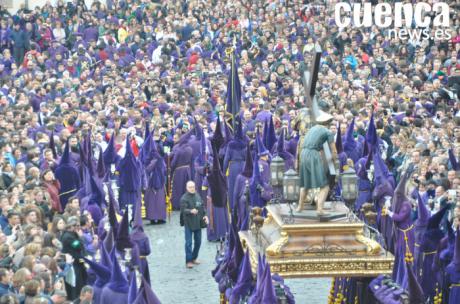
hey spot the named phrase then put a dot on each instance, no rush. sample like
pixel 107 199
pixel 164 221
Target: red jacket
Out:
pixel 53 188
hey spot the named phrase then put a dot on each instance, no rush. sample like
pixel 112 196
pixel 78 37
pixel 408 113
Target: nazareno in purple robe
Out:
pixel 68 177
pixel 217 202
pixel 420 228
pixel 130 181
pixel 142 241
pixel 154 196
pixel 404 232
pixel 181 173
pixel 430 279
pixel 364 185
pixel 116 290
pixel 453 273
pixel 233 164
pixel 102 274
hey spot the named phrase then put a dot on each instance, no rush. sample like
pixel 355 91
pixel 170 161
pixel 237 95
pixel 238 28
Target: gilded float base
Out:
pixel 309 248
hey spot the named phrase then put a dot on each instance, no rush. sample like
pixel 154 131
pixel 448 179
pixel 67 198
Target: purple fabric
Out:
pixel 233 164
pixel 218 228
pixel 404 242
pixel 155 204
pixel 245 283
pixel 181 173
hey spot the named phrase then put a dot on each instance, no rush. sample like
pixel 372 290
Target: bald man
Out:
pixel 194 219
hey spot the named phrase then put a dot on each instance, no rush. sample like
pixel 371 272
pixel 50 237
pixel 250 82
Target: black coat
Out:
pixel 188 202
pixel 73 245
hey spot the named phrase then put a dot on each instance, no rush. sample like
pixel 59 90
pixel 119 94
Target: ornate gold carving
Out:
pixel 275 248
pixel 310 268
pixel 268 219
pixel 372 246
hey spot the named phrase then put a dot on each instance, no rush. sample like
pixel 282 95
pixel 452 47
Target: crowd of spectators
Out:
pixel 115 66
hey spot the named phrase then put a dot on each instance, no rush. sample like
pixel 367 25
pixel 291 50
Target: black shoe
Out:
pixel 161 222
pixel 153 222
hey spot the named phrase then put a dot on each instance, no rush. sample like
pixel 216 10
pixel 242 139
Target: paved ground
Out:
pixel 174 284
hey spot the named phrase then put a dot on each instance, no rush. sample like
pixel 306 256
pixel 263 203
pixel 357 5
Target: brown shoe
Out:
pixel 196 262
pixel 189 265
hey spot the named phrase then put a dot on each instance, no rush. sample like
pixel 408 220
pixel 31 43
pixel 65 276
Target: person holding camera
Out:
pixel 73 244
pixel 194 217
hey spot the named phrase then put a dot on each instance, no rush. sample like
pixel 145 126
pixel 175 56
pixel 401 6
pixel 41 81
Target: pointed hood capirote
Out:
pixel 112 212
pixel 105 257
pixel 147 131
pixel 280 144
pixel 101 171
pixel 237 256
pixel 254 183
pixel 102 273
pixel 130 171
pixel 248 165
pixel 414 288
pixel 146 294
pixel 123 240
pixel 148 150
pixel 350 143
pixel 400 193
pixel 110 154
pixel 109 240
pixel 245 282
pixel 433 234
pixel 218 138
pixel 217 182
pixel 118 281
pixel 268 291
pixel 97 194
pixel 271 136
pixel 65 158
pixel 371 134
pixel 422 212
pixel 338 141
pixel 256 296
pixel 261 150
pixel 202 155
pixel 381 172
pixel 239 129
pixel 239 140
pixel 228 132
pixel 198 129
pixel 435 219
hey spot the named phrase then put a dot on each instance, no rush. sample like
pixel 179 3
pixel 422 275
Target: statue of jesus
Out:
pixel 313 172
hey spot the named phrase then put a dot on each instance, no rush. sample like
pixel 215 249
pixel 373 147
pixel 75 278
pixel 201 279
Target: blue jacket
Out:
pixel 5 289
pixel 20 38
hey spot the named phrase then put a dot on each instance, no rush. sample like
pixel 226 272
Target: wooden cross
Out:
pixel 310 79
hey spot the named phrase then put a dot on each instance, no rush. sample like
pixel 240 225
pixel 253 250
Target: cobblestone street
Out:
pixel 175 284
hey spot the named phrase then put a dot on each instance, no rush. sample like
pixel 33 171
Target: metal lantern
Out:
pixel 277 171
pixel 291 186
pixel 349 185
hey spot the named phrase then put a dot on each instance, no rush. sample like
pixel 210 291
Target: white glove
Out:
pixel 387 202
pixel 390 213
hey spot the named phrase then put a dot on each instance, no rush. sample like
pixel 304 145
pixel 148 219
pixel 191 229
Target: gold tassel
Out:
pixel 143 211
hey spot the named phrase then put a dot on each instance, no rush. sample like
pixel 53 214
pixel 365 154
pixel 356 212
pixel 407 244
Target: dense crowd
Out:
pixel 96 77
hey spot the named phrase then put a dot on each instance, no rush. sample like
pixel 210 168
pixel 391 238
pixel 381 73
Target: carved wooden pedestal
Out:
pixel 310 248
